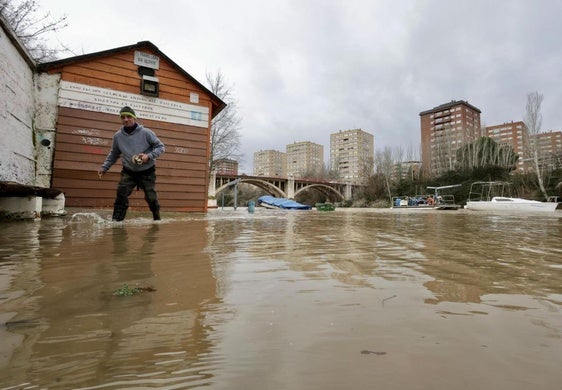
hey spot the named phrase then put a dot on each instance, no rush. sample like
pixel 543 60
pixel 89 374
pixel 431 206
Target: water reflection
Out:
pixel 283 300
pixel 62 309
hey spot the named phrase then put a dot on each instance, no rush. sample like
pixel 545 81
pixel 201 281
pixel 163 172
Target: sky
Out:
pixel 303 69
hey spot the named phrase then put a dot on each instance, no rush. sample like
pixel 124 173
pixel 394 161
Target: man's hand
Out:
pixel 144 157
pixel 101 172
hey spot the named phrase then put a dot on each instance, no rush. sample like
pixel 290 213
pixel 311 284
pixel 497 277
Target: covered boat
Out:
pixel 281 203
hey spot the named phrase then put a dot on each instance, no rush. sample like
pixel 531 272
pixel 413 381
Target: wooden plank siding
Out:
pixel 83 138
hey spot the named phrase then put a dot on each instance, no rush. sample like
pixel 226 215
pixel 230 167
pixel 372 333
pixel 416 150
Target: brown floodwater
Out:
pixel 366 299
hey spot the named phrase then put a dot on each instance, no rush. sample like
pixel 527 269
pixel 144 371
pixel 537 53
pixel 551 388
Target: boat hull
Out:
pixel 511 204
pixel 429 207
pixel 425 202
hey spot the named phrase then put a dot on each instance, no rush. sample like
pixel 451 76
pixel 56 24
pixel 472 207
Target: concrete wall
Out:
pixel 17 152
pixel 46 92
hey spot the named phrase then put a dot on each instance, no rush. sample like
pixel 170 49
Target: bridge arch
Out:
pixel 270 188
pixel 325 189
pixel 283 187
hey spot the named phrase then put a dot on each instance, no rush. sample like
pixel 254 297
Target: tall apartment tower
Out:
pixel 514 134
pixel 352 154
pixel 304 158
pixel 444 129
pixel 270 163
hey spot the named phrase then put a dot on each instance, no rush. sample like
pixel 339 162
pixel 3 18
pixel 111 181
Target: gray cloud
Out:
pixel 304 69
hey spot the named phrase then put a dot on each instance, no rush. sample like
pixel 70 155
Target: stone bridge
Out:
pixel 283 187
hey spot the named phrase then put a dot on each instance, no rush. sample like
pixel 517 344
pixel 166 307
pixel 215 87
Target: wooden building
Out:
pixel 90 90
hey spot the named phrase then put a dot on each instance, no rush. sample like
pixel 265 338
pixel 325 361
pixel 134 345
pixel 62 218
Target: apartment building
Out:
pixel 514 134
pixel 549 146
pixel 270 163
pixel 305 159
pixel 225 166
pixel 444 129
pixel 406 170
pixel 352 153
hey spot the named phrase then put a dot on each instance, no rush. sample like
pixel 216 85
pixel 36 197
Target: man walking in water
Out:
pixel 138 148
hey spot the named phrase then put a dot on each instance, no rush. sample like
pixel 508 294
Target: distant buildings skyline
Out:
pixel 443 130
pixel 351 155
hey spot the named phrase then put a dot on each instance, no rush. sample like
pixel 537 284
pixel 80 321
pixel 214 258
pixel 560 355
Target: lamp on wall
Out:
pixel 149 81
pixel 149 85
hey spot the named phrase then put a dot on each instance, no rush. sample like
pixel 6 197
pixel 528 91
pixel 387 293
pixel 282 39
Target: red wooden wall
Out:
pixel 83 138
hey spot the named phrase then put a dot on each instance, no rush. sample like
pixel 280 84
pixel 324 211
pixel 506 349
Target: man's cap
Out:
pixel 128 111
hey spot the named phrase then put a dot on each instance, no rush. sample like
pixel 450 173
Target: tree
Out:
pixel 225 127
pixel 485 152
pixel 31 28
pixel 384 163
pixel 533 122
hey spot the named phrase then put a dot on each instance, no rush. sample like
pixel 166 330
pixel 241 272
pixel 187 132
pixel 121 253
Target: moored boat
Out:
pixel 437 201
pixel 493 196
pixel 281 203
pixel 325 206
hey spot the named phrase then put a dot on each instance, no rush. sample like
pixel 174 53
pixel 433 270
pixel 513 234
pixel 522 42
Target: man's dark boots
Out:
pixel 155 208
pixel 119 213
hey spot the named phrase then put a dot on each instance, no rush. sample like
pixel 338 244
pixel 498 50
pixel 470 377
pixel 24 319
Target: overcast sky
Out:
pixel 303 69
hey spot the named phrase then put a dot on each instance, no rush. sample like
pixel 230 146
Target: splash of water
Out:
pixel 87 217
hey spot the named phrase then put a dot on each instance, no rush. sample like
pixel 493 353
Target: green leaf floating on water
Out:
pixel 127 291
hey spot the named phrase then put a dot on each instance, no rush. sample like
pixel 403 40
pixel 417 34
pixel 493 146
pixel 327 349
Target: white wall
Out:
pixel 17 152
pixel 46 93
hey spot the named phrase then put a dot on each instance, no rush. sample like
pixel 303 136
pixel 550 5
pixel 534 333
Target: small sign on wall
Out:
pixel 146 59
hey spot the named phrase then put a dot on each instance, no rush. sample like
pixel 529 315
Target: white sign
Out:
pixel 146 59
pixel 89 98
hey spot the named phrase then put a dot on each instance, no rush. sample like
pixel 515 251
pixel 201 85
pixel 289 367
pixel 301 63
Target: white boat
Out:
pixel 490 196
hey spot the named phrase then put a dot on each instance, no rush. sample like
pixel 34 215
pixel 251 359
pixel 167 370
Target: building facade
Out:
pixel 514 134
pixel 406 170
pixel 549 147
pixel 444 129
pixel 352 154
pixel 83 95
pixel 270 163
pixel 305 159
pixel 226 166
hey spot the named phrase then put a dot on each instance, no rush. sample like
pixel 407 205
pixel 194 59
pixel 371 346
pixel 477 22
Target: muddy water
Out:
pixel 373 299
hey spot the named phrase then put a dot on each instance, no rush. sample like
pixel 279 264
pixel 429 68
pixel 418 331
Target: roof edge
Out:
pixel 452 103
pixel 16 41
pixel 45 66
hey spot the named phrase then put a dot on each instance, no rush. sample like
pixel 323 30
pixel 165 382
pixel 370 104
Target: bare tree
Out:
pixel 365 169
pixel 533 121
pixel 384 163
pixel 330 173
pixel 225 127
pixel 31 27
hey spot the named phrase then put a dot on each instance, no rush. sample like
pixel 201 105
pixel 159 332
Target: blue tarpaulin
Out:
pixel 283 203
